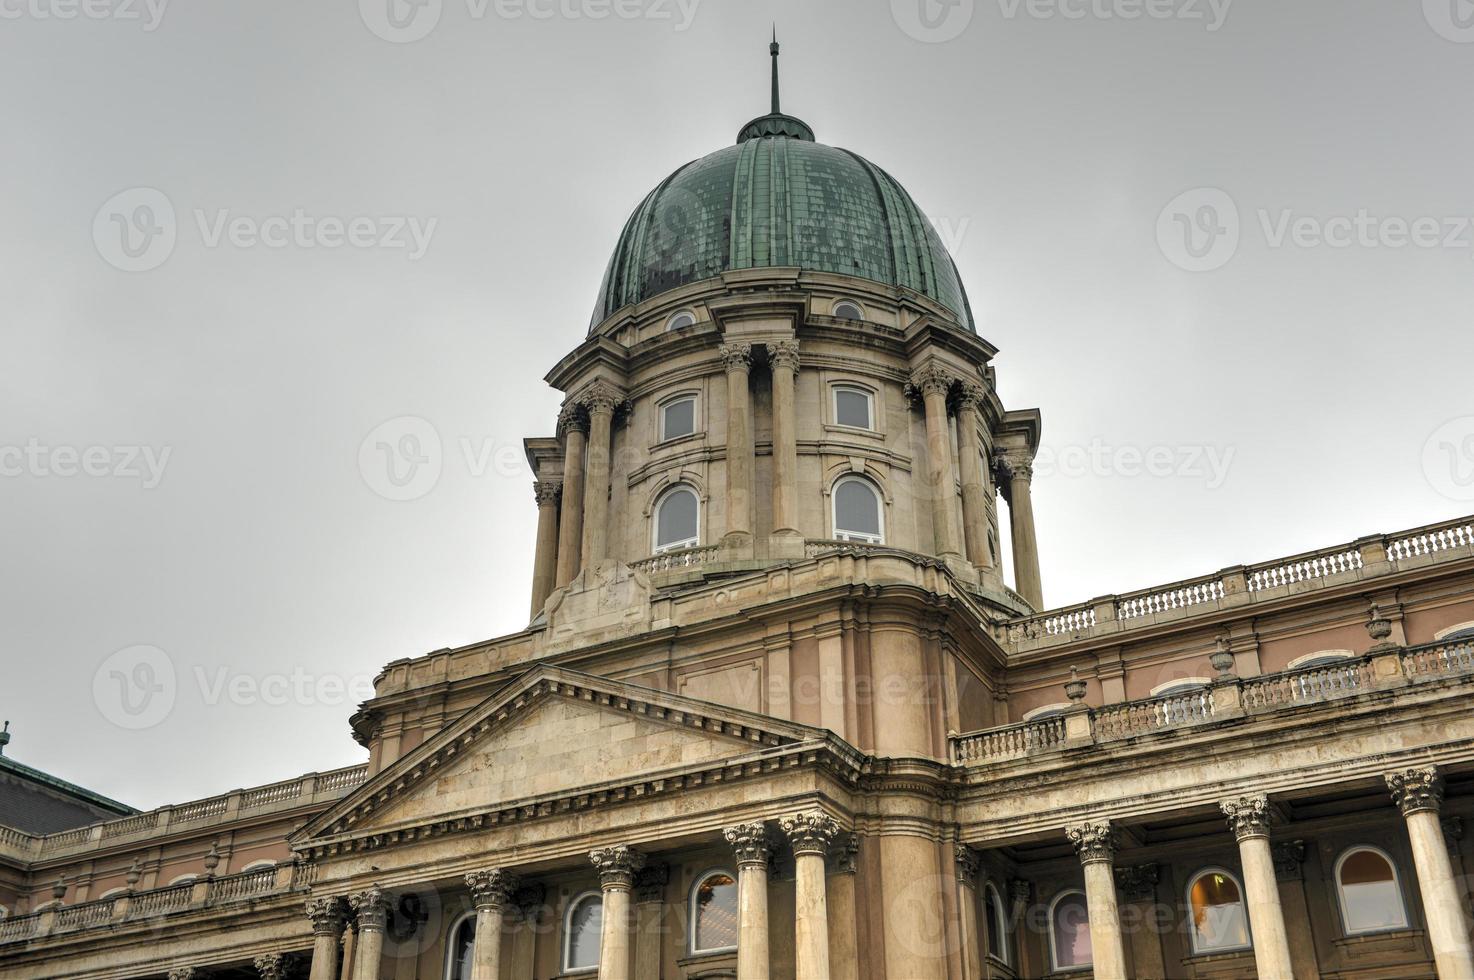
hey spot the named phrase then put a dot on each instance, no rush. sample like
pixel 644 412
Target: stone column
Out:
pixel 844 942
pixel 1418 793
pixel 968 863
pixel 974 479
pixel 545 562
pixel 328 915
pixel 810 833
pixel 529 902
pixel 600 400
pixel 738 361
pixel 491 892
pixel 575 426
pixel 649 908
pixel 1095 843
pixel 933 382
pixel 350 945
pixel 271 966
pixel 1249 818
pixel 371 908
pixel 617 866
pixel 783 358
pixel 1019 471
pixel 751 844
pixel 1136 885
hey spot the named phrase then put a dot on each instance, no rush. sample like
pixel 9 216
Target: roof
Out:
pixel 39 803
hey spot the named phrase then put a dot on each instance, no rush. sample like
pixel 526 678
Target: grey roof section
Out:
pixel 39 803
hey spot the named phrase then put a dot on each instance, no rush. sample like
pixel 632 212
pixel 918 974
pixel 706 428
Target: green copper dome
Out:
pixel 775 200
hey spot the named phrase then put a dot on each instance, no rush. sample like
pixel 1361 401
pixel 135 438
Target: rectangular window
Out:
pixel 852 407
pixel 677 418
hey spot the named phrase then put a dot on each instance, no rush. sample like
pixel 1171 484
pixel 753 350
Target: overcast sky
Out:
pixel 1156 218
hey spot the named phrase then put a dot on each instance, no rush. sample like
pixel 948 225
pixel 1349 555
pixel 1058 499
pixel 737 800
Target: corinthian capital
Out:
pixel 810 832
pixel 371 909
pixel 971 396
pixel 601 398
pixel 1010 465
pixel 328 915
pixel 492 889
pixel 783 354
pixel 617 866
pixel 1093 842
pixel 737 357
pixel 1416 790
pixel 271 966
pixel 572 418
pixel 969 863
pixel 1248 816
pixel 547 492
pixel 185 973
pixel 933 379
pixel 751 843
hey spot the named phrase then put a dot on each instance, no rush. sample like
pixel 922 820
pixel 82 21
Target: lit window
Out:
pixel 677 519
pixel 857 514
pixel 582 930
pixel 997 924
pixel 714 913
pixel 462 946
pixel 678 417
pixel 1371 898
pixel 680 320
pixel 853 407
pixel 1069 932
pixel 848 310
pixel 1216 904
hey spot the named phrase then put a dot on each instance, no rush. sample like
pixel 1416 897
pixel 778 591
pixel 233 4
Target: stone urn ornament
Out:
pixel 1075 687
pixel 1222 660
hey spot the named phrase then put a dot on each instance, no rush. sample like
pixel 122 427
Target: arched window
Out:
pixel 678 321
pixel 854 407
pixel 997 924
pixel 259 866
pixel 184 879
pixel 1181 685
pixel 583 927
pixel 1215 904
pixel 714 913
pixel 460 948
pixel 1463 631
pixel 1321 658
pixel 1370 893
pixel 1048 711
pixel 848 309
pixel 677 417
pixel 677 519
pixel 857 511
pixel 1069 932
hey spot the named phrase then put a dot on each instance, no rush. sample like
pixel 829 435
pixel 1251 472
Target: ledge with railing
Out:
pixel 1384 668
pixel 313 788
pixel 1367 558
pixel 132 907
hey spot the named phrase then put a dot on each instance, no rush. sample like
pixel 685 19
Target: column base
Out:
pixel 737 546
pixel 785 544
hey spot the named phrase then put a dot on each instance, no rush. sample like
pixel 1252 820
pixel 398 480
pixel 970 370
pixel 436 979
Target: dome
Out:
pixel 779 199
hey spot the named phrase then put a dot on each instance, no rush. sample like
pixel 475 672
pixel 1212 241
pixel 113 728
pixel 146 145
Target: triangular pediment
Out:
pixel 550 741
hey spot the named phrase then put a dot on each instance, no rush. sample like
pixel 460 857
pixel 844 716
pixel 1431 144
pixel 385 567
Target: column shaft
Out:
pixel 486 953
pixel 784 359
pixel 617 866
pixel 545 564
pixel 974 479
pixel 596 482
pixel 738 358
pixel 370 953
pixel 570 531
pixel 1105 922
pixel 1442 908
pixel 934 383
pixel 752 922
pixel 371 908
pixel 974 938
pixel 811 918
pixel 1025 542
pixel 324 956
pixel 328 916
pixel 1266 916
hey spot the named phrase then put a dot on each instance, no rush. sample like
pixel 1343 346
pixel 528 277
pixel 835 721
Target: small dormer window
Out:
pixel 681 320
pixel 848 309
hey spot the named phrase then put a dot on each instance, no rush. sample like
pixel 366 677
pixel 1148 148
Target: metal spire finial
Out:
pixel 773 49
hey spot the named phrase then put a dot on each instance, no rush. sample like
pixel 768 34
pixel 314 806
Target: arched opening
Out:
pixel 677 519
pixel 1369 891
pixel 1069 932
pixel 1217 919
pixel 583 928
pixel 997 925
pixel 460 947
pixel 713 919
pixel 858 514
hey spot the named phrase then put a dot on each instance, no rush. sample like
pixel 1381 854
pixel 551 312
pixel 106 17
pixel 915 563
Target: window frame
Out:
pixel 1047 711
pixel 691 918
pixel 450 942
pixel 857 537
pixel 845 301
pixel 993 899
pixel 691 396
pixel 1050 935
pixel 573 904
pixel 1192 929
pixel 1320 658
pixel 671 324
pixel 1341 896
pixel 1180 686
pixel 656 548
pixel 835 387
pixel 1451 633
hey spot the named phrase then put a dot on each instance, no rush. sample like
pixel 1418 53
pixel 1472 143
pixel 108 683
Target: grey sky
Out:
pixel 1045 146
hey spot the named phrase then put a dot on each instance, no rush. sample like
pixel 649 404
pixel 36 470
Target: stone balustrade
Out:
pixel 1392 667
pixel 1343 564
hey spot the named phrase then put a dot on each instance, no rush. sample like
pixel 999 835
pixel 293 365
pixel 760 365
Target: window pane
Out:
pixel 996 934
pixel 465 939
pixel 680 418
pixel 716 913
pixel 856 509
pixel 677 519
pixel 852 408
pixel 1071 928
pixel 584 928
pixel 1218 913
pixel 1369 893
pixel 847 311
